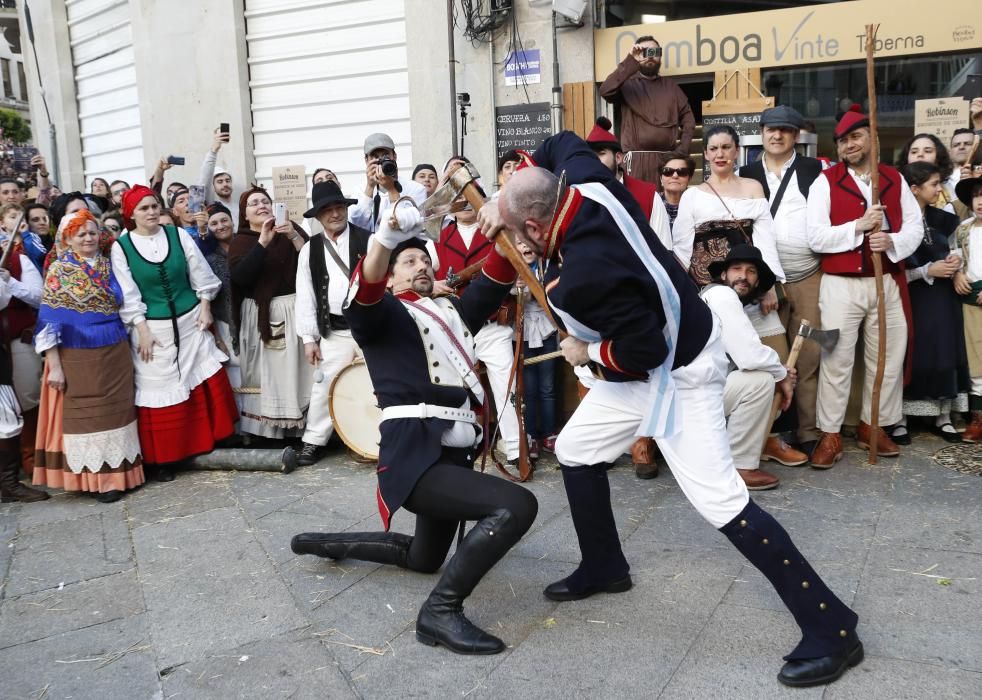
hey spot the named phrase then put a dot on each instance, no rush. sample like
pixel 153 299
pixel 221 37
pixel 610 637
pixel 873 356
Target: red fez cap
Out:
pixel 600 136
pixel 131 198
pixel 853 119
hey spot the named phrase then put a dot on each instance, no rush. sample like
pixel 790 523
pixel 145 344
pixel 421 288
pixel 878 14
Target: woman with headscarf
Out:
pixel 183 397
pixel 87 438
pixel 276 377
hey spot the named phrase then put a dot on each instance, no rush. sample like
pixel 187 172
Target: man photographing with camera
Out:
pixel 382 186
pixel 656 121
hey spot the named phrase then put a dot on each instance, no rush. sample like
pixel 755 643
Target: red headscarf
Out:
pixel 131 198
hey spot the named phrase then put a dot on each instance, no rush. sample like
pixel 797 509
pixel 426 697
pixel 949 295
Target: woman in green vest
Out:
pixel 183 397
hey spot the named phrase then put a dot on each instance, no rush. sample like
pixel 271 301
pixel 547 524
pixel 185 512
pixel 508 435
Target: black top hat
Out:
pixel 746 253
pixel 324 195
pixel 963 190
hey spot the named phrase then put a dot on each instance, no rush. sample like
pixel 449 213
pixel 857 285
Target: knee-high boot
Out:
pixel 380 547
pixel 603 568
pixel 28 436
pixel 10 487
pixel 829 644
pixel 441 620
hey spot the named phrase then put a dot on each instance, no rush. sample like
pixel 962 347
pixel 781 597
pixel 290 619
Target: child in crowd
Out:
pixel 540 378
pixel 968 283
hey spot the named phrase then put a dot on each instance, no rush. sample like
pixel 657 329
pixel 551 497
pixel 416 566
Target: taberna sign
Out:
pixel 798 36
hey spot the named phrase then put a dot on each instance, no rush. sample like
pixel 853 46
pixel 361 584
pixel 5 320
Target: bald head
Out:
pixel 531 193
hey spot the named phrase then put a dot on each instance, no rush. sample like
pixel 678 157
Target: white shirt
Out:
pixel 337 286
pixel 790 225
pixel 206 179
pixel 27 288
pixel 697 207
pixel 155 248
pixel 740 340
pixel 467 232
pixel 973 268
pixel 823 237
pixel 361 213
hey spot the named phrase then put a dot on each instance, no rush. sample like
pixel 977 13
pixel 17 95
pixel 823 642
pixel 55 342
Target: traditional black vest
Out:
pixel 357 249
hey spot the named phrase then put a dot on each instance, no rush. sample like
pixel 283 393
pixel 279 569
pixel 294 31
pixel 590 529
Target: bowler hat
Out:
pixel 963 190
pixel 743 252
pixel 325 194
pixel 782 116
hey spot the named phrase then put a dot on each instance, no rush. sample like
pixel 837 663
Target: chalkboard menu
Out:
pixel 743 124
pixel 522 127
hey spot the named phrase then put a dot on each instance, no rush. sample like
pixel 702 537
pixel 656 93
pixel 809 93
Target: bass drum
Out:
pixel 354 410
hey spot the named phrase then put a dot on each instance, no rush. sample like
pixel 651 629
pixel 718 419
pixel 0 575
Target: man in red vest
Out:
pixel 611 154
pixel 841 224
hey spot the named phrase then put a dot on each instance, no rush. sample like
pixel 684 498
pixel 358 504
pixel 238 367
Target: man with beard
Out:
pixel 656 120
pixel 741 279
pixel 420 352
pixel 846 228
pixel 634 313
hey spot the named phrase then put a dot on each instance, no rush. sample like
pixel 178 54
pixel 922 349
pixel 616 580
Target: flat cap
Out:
pixel 376 141
pixel 782 116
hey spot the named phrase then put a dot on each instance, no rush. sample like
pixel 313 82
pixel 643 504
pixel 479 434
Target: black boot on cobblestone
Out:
pixel 11 490
pixel 381 547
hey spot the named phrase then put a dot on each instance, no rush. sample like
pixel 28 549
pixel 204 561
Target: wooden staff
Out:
pixel 874 157
pixel 524 462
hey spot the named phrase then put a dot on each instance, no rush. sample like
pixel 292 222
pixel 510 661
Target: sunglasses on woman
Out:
pixel 681 172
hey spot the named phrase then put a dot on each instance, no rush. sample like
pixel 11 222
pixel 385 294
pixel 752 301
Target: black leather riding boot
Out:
pixel 829 644
pixel 603 568
pixel 441 620
pixel 381 547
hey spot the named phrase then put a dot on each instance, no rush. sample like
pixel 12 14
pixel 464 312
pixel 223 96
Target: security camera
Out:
pixel 570 9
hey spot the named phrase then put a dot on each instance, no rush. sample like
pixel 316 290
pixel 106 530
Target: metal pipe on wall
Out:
pixel 452 64
pixel 557 88
pixel 494 121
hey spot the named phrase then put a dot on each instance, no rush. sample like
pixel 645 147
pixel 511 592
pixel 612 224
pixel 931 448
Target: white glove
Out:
pixel 410 225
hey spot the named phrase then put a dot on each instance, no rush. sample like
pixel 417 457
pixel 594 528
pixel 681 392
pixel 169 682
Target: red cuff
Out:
pixel 498 268
pixel 608 361
pixel 367 293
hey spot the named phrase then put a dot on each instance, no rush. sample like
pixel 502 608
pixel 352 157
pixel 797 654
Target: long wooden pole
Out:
pixel 874 158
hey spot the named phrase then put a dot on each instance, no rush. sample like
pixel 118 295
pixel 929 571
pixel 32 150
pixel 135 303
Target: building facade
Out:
pixel 302 82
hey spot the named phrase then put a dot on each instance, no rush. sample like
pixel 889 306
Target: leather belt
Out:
pixel 426 410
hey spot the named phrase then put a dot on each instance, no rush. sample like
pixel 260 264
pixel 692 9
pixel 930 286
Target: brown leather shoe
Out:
pixel 885 447
pixel 827 452
pixel 758 479
pixel 643 457
pixel 973 432
pixel 779 451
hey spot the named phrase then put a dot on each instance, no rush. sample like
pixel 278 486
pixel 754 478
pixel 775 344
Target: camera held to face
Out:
pixel 654 52
pixel 389 167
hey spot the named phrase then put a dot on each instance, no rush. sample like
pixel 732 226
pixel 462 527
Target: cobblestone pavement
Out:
pixel 189 589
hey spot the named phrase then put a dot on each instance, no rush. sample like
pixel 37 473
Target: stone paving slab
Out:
pixel 111 660
pixel 68 551
pixel 209 586
pixel 75 606
pixel 287 666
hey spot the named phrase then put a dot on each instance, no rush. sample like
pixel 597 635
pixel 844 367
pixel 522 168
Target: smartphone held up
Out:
pixel 281 213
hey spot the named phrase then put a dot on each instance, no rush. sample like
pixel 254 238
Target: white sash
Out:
pixel 661 418
pixel 444 346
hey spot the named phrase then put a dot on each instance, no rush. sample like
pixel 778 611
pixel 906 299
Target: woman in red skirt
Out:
pixel 184 401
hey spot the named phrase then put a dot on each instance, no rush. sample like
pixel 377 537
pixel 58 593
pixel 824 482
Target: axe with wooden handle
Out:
pixel 806 331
